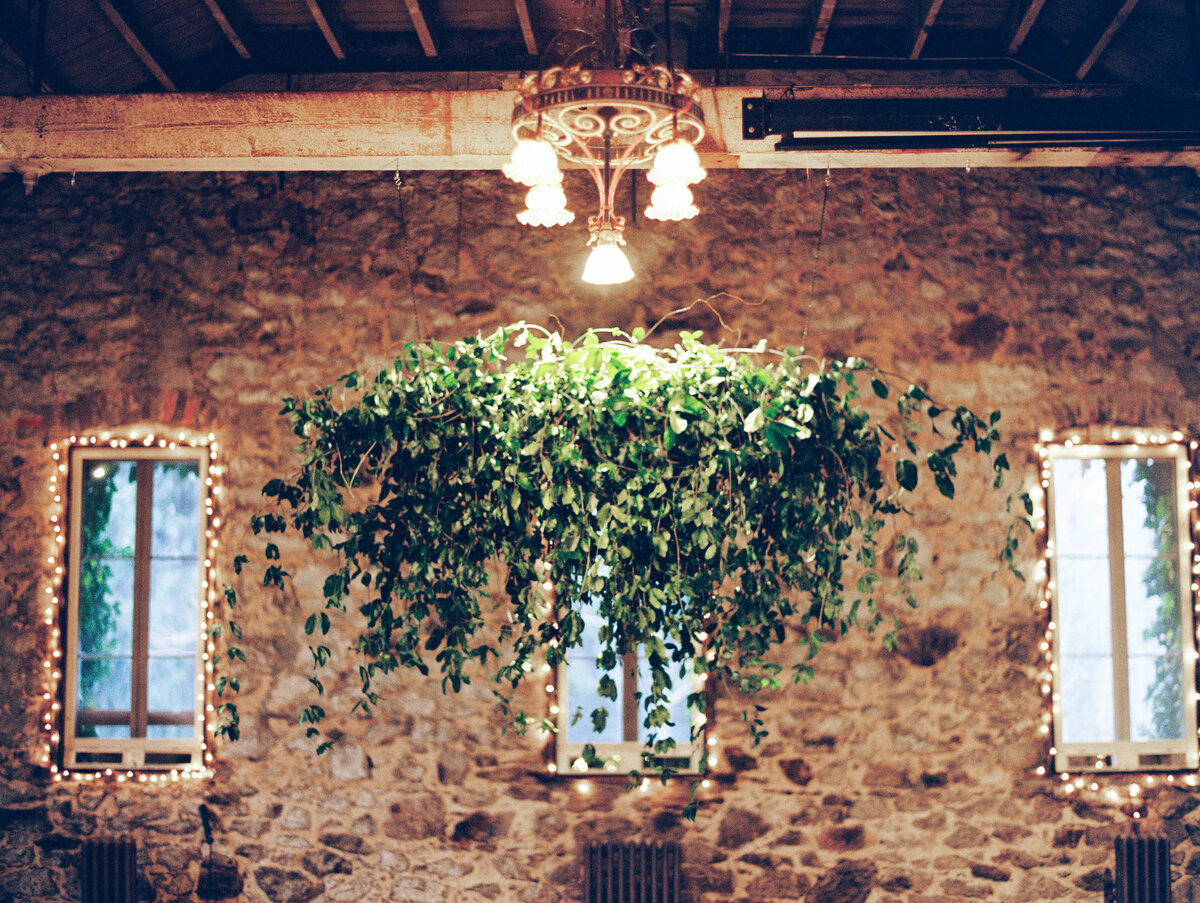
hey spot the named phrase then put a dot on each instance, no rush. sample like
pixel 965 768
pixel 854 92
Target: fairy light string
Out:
pixel 1129 790
pixel 50 747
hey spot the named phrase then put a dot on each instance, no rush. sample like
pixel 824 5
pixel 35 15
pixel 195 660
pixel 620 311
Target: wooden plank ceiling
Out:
pixel 137 46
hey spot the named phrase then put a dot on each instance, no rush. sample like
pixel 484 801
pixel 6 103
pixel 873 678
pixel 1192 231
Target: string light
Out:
pixel 1111 786
pixel 60 453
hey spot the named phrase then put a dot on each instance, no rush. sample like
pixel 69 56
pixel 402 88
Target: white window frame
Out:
pixel 135 753
pixel 1125 755
pixel 628 755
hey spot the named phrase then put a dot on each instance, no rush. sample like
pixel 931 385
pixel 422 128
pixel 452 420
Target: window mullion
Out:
pixel 629 707
pixel 1116 579
pixel 141 596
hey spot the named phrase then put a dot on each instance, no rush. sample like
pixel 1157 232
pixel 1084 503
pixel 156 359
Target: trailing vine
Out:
pixel 705 500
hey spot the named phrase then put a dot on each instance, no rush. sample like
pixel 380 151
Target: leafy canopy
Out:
pixel 704 499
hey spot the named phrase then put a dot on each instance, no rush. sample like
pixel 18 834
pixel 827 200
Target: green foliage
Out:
pixel 708 503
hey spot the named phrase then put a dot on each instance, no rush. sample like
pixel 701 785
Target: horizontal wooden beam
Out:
pixel 437 130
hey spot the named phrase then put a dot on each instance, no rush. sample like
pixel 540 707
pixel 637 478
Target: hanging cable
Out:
pixel 812 284
pixel 408 266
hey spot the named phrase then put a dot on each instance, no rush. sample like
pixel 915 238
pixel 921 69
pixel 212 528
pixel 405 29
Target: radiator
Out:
pixel 1143 872
pixel 108 871
pixel 632 873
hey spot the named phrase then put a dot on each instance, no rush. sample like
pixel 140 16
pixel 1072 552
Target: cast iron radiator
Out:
pixel 632 873
pixel 1143 872
pixel 108 870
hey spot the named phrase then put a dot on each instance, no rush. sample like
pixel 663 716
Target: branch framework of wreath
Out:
pixel 713 504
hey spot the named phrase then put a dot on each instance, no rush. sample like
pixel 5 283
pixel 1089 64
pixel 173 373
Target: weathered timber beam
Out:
pixel 338 131
pixel 1102 44
pixel 12 43
pixel 723 14
pixel 527 32
pixel 424 29
pixel 1024 23
pixel 821 26
pixel 926 14
pixel 330 26
pixel 122 22
pixel 232 24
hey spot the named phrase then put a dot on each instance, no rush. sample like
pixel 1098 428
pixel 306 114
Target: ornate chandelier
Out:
pixel 605 106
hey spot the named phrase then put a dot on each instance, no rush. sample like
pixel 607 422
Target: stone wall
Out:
pixel 1063 297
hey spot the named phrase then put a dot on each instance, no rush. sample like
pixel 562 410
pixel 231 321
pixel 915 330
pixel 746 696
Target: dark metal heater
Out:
pixel 632 873
pixel 1143 870
pixel 108 870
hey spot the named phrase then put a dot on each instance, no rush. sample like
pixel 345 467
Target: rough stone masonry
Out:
pixel 1064 297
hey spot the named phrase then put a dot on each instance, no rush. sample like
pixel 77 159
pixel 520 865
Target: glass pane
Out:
pixel 174 606
pixel 1084 607
pixel 176 516
pixel 109 507
pixel 108 732
pixel 104 683
pixel 680 728
pixel 1080 507
pixel 106 606
pixel 583 683
pixel 1156 702
pixel 171 684
pixel 1087 693
pixel 1148 495
pixel 1152 619
pixel 170 731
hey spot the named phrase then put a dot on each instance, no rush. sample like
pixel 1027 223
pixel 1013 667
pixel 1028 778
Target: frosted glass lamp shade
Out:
pixel 545 205
pixel 671 202
pixel 607 265
pixel 533 162
pixel 676 163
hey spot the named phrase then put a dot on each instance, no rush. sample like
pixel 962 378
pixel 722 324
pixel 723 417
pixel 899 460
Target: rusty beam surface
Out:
pixel 821 26
pixel 122 23
pixel 421 24
pixel 430 130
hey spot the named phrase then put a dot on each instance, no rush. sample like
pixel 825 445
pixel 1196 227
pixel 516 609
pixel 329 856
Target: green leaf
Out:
pixel 880 387
pixel 906 474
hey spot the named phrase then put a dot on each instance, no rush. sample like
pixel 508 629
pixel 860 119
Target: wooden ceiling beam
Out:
pixel 454 130
pixel 821 26
pixel 527 32
pixel 1105 38
pixel 422 25
pixel 723 14
pixel 330 26
pixel 19 49
pixel 232 24
pixel 926 14
pixel 1023 23
pixel 122 20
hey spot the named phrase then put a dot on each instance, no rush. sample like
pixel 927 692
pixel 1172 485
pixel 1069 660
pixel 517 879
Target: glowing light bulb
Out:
pixel 545 205
pixel 607 264
pixel 533 163
pixel 676 163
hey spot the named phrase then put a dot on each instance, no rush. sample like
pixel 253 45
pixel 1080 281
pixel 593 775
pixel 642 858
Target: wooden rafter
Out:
pixel 330 26
pixel 821 26
pixel 723 24
pixel 1024 24
pixel 1102 44
pixel 122 22
pixel 422 26
pixel 527 32
pixel 927 11
pixel 12 43
pixel 232 25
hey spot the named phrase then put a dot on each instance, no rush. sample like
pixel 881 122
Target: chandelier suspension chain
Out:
pixel 812 284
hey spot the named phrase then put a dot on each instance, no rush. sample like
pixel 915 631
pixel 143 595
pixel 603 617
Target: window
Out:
pixel 622 741
pixel 134 636
pixel 1124 648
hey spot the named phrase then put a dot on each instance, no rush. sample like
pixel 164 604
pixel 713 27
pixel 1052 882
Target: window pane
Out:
pixel 1148 507
pixel 109 508
pixel 680 729
pixel 104 684
pixel 174 606
pixel 1156 698
pixel 1080 507
pixel 1084 607
pixel 170 732
pixel 171 684
pixel 583 683
pixel 106 606
pixel 1087 699
pixel 176 515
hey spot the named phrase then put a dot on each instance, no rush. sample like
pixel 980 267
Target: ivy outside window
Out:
pixel 134 635
pixel 1124 680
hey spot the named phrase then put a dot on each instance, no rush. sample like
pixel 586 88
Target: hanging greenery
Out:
pixel 704 500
